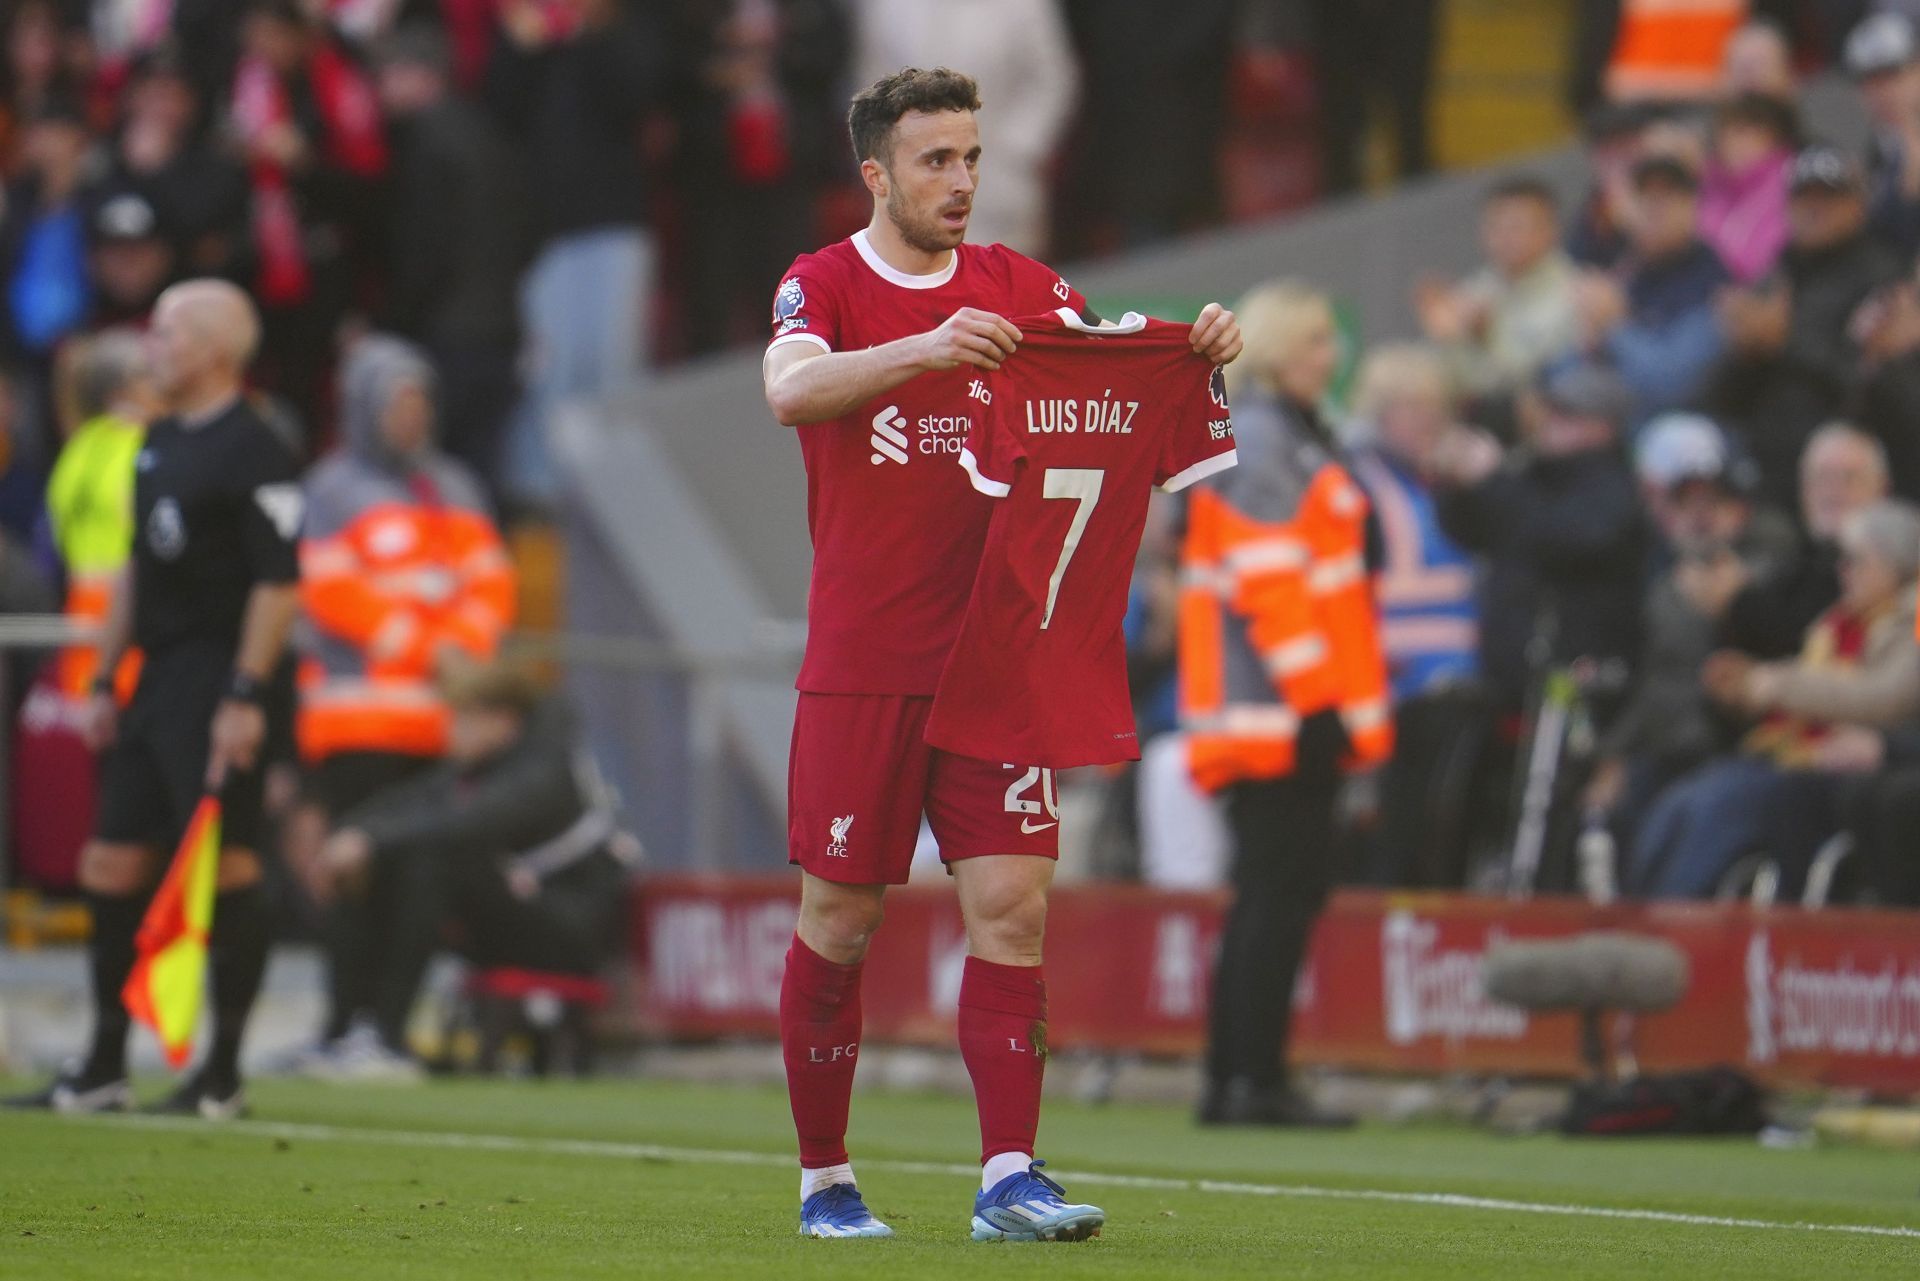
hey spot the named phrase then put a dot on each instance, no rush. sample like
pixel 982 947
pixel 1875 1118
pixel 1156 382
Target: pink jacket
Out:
pixel 1744 215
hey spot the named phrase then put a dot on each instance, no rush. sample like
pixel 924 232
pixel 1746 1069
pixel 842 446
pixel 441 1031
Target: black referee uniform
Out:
pixel 217 507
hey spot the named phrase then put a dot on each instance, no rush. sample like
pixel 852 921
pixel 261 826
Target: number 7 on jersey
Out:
pixel 1082 484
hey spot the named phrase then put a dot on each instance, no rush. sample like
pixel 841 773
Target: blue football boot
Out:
pixel 838 1211
pixel 1029 1206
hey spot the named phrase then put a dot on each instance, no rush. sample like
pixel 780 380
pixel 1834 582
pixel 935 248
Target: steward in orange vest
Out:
pixel 1671 50
pixel 400 561
pixel 1278 620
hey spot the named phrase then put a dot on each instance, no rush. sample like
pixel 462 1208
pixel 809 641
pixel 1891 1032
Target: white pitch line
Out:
pixel 722 1156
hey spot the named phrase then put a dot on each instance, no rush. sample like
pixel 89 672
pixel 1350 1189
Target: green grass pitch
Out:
pixel 637 1179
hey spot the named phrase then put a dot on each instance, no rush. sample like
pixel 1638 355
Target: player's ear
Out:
pixel 875 175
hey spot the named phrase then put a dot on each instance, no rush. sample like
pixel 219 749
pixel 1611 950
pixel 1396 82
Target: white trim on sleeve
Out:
pixel 986 485
pixel 815 339
pixel 1200 471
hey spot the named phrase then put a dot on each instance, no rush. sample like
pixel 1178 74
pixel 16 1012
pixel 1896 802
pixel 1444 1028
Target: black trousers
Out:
pixel 569 927
pixel 1283 837
pixel 1428 794
pixel 375 958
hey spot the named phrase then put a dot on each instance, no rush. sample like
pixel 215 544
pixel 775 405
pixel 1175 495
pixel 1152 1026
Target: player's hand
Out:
pixel 238 730
pixel 1216 335
pixel 970 337
pixel 101 724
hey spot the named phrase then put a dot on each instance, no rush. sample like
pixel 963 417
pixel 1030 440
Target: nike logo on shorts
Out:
pixel 1028 826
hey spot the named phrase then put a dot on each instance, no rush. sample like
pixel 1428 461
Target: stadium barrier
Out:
pixel 1798 998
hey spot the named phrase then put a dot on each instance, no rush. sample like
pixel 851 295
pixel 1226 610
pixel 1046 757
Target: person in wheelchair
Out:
pixel 1819 735
pixel 514 842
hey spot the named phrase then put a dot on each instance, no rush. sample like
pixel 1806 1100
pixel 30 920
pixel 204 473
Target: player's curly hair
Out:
pixel 878 107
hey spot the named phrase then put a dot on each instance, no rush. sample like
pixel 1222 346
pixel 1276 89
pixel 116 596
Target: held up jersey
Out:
pixel 896 529
pixel 1072 434
pixel 217 510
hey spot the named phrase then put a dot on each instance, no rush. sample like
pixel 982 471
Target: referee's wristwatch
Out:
pixel 246 689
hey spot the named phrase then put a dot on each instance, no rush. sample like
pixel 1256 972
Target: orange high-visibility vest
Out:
pixel 1671 49
pixel 395 585
pixel 1278 622
pixel 88 598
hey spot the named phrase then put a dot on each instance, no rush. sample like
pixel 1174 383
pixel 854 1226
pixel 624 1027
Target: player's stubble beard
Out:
pixel 924 234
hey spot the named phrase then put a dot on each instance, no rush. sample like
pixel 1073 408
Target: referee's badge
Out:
pixel 166 530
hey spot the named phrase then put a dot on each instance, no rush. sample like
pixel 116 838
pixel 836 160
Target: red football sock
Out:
pixel 1003 1039
pixel 819 1037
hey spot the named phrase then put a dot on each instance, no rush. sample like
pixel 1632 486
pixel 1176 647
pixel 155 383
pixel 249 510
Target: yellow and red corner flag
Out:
pixel 170 970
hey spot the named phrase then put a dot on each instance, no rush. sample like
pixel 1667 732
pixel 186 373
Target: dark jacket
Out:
pixel 508 806
pixel 1778 399
pixel 1668 717
pixel 1887 406
pixel 575 108
pixel 458 229
pixel 1565 541
pixel 1666 346
pixel 1770 617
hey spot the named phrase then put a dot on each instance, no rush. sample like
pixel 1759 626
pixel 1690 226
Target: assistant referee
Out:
pixel 208 595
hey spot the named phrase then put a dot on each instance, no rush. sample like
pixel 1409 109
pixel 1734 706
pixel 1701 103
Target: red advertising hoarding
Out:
pixel 1828 998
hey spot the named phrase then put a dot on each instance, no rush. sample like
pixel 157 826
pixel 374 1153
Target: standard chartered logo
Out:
pixel 889 439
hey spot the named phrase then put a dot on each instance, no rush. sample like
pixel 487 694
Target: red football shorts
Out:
pixel 861 774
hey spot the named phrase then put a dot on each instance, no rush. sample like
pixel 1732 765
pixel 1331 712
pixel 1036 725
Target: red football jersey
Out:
pixel 897 531
pixel 1075 431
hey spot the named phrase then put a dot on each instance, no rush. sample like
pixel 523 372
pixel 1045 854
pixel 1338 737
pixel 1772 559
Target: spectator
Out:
pixel 1783 794
pixel 400 566
pixel 1276 617
pixel 309 124
pixel 1653 320
pixel 1743 202
pixel 1843 472
pixel 162 152
pixel 1662 52
pixel 1366 50
pixel 90 494
pixel 1758 61
pixel 1887 400
pixel 569 80
pixel 43 240
pixel 1596 236
pixel 514 839
pixel 130 260
pixel 1561 530
pixel 454 244
pixel 1430 620
pixel 1790 357
pixel 1020 53
pixel 757 102
pixel 1501 325
pixel 1883 57
pixel 34 76
pixel 1699 493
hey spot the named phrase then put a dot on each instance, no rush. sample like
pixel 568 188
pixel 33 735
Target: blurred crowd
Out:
pixel 553 196
pixel 1642 515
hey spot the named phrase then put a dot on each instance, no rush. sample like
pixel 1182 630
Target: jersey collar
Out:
pixel 1131 323
pixel 893 275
